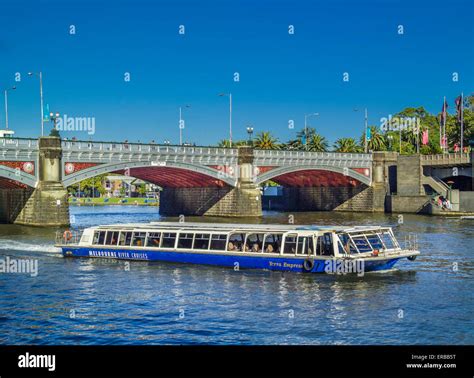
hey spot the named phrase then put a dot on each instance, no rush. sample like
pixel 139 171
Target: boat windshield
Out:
pixel 366 241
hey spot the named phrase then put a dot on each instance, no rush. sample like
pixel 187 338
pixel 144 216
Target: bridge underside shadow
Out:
pixel 318 190
pixel 13 197
pixel 186 192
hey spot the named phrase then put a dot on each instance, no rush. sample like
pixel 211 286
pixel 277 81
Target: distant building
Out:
pixel 6 133
pixel 120 185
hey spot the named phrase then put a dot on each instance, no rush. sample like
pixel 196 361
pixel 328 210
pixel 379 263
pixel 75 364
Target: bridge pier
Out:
pixel 243 200
pixel 48 203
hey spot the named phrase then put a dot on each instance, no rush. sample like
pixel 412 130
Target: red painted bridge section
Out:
pixel 167 177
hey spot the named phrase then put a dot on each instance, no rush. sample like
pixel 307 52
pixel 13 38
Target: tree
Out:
pixel 266 141
pixel 376 142
pixel 224 143
pixel 347 145
pixel 317 143
pixel 90 185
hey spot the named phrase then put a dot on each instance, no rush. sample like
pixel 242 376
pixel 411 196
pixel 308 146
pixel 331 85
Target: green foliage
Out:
pixel 141 189
pixel 347 145
pixel 266 141
pixel 315 142
pixel 88 185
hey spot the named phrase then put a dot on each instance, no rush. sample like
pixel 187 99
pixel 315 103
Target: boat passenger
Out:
pixel 255 247
pixel 230 246
pixel 269 248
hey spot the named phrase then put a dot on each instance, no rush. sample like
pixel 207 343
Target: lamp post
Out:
pixel 54 117
pixel 6 105
pixel 365 128
pixel 306 116
pixel 390 138
pixel 181 124
pixel 250 132
pixel 40 75
pixel 230 115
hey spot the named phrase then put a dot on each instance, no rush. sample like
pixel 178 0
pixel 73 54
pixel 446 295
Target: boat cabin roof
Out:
pixel 233 227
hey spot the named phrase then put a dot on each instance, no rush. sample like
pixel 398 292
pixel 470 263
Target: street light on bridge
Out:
pixel 181 124
pixel 6 105
pixel 230 115
pixel 40 75
pixel 250 132
pixel 53 117
pixel 306 116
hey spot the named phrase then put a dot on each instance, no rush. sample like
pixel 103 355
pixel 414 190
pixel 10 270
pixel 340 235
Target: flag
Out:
pixel 46 117
pixel 444 141
pixel 425 138
pixel 443 111
pixel 458 103
pixel 367 135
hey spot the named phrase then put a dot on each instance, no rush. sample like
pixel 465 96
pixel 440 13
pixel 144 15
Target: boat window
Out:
pixel 305 245
pixel 272 243
pixel 387 240
pixel 125 238
pixel 185 241
pixel 290 244
pixel 201 241
pixel 374 241
pixel 168 239
pixel 362 244
pixel 254 243
pixel 99 237
pixel 236 241
pixel 346 246
pixel 326 244
pixel 153 239
pixel 138 239
pixel 218 242
pixel 112 237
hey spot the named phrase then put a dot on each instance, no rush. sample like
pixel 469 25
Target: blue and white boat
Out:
pixel 297 248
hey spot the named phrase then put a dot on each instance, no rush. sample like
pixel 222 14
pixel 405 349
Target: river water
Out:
pixel 96 301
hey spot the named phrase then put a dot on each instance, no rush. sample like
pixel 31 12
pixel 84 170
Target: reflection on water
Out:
pixel 79 301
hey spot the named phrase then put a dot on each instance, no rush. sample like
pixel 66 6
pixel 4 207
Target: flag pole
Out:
pixel 462 121
pixel 444 125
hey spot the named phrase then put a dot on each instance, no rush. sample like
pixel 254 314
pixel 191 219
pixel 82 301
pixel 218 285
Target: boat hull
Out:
pixel 322 265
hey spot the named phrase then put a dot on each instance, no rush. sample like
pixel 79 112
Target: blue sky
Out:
pixel 282 76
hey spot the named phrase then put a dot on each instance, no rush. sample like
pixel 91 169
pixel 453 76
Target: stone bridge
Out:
pixel 35 173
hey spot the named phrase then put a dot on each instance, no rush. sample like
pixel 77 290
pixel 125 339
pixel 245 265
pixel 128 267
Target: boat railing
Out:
pixel 68 237
pixel 411 242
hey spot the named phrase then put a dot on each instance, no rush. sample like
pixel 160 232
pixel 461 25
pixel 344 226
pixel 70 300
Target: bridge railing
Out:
pixel 19 142
pixel 279 156
pixel 145 148
pixel 446 159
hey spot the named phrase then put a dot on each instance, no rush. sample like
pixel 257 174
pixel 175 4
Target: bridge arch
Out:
pixel 17 175
pixel 281 171
pixel 184 171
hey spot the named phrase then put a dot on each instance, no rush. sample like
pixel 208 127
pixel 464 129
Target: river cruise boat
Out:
pixel 297 248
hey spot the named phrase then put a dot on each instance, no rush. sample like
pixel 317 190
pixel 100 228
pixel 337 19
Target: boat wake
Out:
pixel 14 245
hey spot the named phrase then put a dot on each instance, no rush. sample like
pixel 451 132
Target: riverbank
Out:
pixel 138 201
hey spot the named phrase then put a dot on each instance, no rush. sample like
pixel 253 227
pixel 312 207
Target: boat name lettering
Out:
pixel 120 255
